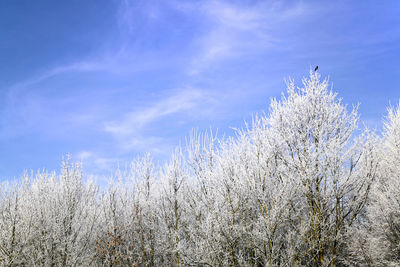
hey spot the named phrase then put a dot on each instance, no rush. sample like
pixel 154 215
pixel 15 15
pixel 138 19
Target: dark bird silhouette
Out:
pixel 316 68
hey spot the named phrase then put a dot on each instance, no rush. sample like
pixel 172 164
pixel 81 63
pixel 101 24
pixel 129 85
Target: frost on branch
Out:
pixel 381 230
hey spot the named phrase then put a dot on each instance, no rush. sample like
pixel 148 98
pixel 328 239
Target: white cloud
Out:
pixel 239 30
pixel 130 130
pixel 81 66
pixel 83 155
pixel 93 162
pixel 96 167
pixel 183 100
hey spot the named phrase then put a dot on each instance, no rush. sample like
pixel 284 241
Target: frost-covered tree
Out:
pixel 49 220
pixel 380 234
pixel 128 231
pixel 12 238
pixel 172 210
pixel 62 214
pixel 288 190
pixel 313 134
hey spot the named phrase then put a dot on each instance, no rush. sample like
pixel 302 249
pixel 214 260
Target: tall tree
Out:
pixel 314 136
pixel 381 233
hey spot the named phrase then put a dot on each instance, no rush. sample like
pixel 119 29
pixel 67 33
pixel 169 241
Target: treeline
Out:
pixel 301 186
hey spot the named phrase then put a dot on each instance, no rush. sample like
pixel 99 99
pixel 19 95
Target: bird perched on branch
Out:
pixel 316 68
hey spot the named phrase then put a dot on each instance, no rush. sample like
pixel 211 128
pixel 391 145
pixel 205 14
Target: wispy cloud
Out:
pixel 84 155
pixel 188 102
pixel 80 66
pixel 184 100
pixel 236 30
pixel 96 166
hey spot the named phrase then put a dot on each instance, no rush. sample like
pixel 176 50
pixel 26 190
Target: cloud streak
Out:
pixel 187 103
pixel 235 31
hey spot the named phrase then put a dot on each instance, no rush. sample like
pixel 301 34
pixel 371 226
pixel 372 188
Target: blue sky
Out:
pixel 109 80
